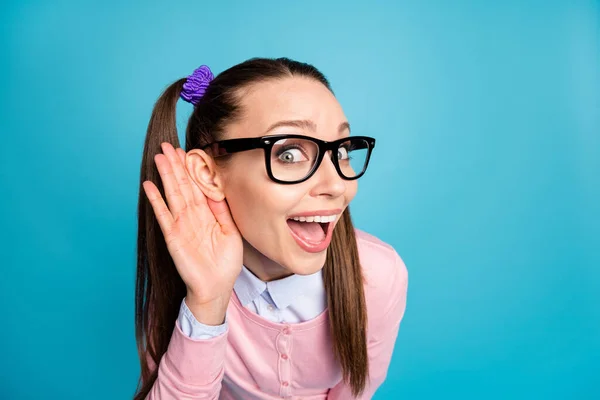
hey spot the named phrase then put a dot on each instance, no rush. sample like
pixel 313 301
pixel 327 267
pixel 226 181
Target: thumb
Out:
pixel 222 214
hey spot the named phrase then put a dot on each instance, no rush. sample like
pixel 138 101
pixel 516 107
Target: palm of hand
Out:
pixel 200 234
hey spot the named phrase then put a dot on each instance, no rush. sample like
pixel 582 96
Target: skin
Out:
pixel 259 206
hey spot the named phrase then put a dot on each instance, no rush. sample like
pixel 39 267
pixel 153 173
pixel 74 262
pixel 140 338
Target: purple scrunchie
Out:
pixel 196 84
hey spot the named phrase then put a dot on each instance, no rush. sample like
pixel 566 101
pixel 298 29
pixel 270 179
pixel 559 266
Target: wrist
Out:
pixel 208 313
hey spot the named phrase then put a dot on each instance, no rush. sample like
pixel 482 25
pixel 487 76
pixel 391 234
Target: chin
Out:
pixel 307 264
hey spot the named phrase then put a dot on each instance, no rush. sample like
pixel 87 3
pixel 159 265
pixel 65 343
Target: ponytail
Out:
pixel 343 280
pixel 155 310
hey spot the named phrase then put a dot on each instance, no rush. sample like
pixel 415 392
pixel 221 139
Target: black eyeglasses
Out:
pixel 295 158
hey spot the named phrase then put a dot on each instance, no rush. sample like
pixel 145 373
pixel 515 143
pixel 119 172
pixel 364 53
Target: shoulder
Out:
pixel 386 282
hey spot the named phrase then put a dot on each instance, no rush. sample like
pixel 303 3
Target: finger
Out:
pixel 162 213
pixel 199 197
pixel 222 214
pixel 204 213
pixel 174 197
pixel 181 153
pixel 180 172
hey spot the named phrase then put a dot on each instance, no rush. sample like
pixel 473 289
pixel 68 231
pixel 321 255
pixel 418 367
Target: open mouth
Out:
pixel 312 232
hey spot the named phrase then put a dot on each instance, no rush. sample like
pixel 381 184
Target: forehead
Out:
pixel 290 98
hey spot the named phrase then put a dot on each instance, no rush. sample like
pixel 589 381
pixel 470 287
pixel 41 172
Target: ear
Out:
pixel 203 171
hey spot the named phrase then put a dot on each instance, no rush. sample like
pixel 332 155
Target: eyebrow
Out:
pixel 305 124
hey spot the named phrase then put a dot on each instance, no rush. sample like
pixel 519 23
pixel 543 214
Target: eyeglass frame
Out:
pixel 230 146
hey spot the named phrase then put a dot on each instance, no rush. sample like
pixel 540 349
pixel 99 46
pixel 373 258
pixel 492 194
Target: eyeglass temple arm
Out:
pixel 233 145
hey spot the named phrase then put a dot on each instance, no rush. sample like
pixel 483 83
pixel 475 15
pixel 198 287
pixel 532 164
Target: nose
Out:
pixel 327 181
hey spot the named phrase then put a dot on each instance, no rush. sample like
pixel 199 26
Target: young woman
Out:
pixel 252 282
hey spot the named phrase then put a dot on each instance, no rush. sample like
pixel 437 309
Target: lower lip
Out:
pixel 315 247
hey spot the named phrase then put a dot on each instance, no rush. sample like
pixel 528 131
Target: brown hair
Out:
pixel 159 288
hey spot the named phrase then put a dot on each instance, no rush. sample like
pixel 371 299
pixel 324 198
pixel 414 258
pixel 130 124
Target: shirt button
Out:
pixel 270 307
pixel 285 383
pixel 284 356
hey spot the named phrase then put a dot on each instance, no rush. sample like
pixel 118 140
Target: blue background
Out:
pixel 486 179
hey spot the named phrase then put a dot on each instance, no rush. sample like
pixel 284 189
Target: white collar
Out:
pixel 283 291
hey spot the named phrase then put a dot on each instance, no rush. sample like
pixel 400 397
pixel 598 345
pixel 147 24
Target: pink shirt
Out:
pixel 260 359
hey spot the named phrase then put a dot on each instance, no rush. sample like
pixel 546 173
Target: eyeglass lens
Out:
pixel 292 159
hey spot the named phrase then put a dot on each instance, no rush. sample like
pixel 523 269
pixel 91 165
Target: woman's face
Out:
pixel 275 246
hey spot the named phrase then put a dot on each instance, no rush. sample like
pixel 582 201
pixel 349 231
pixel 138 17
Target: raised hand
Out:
pixel 201 236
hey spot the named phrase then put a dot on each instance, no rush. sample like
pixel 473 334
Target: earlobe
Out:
pixel 203 172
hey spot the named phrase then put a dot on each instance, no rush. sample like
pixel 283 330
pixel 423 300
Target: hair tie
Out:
pixel 196 84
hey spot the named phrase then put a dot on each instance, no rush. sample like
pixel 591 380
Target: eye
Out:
pixel 291 155
pixel 343 153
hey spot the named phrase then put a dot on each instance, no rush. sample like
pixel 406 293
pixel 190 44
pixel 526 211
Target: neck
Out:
pixel 263 267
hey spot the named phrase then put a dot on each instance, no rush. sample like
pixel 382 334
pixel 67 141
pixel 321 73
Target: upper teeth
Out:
pixel 316 218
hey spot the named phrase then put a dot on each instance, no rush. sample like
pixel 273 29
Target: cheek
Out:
pixel 259 206
pixel 259 211
pixel 351 189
